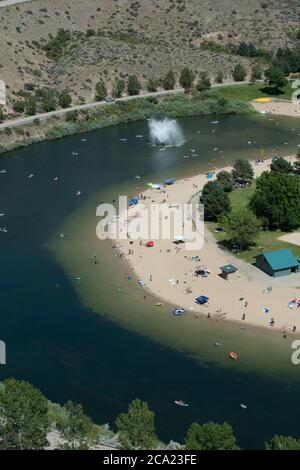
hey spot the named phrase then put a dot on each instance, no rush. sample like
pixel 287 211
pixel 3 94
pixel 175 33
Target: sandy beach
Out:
pixel 168 271
pixel 281 108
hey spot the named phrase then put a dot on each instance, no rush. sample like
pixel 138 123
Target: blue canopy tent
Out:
pixel 202 299
pixel 134 201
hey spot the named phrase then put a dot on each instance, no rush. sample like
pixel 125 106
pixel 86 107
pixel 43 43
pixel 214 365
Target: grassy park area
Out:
pixel 265 240
pixel 251 92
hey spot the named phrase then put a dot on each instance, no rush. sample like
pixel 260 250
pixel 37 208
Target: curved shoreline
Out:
pixel 54 126
pixel 122 111
pixel 165 261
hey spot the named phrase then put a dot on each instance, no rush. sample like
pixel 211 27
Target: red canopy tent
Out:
pixel 150 244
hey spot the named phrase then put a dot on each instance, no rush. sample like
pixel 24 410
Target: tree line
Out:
pixel 46 99
pixel 27 416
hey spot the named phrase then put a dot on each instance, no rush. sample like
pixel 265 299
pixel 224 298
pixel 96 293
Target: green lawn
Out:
pixel 265 241
pixel 251 92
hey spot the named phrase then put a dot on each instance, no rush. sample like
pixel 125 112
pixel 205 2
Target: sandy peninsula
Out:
pixel 168 271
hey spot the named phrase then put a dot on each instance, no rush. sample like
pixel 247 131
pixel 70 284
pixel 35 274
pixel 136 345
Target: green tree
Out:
pixel 296 164
pixel 101 91
pixel 1 114
pixel 216 202
pixel 56 47
pixel 23 416
pixel 239 73
pixel 136 429
pixel 276 200
pixel 133 85
pixel 252 51
pixel 152 85
pixel 30 105
pixel 225 180
pixel 90 32
pixel 186 78
pixel 76 428
pixel 281 165
pixel 48 100
pixel 256 73
pixel 71 116
pixel 222 102
pixel 220 76
pixel 243 49
pixel 168 82
pixel 242 172
pixel 283 443
pixel 241 226
pixel 64 99
pixel 19 106
pixel 276 78
pixel 118 88
pixel 210 436
pixel 204 82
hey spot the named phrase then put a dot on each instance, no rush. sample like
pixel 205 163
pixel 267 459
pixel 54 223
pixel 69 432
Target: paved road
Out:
pixel 60 112
pixel 6 3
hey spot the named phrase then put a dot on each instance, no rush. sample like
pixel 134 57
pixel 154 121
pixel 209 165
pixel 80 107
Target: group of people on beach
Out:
pixel 186 284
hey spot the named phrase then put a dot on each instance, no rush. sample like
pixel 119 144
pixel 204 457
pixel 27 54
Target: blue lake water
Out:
pixel 88 355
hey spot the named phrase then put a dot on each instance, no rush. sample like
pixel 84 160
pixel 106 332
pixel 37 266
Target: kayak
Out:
pixel 180 403
pixel 233 355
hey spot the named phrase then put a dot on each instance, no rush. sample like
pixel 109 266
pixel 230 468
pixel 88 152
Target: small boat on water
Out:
pixel 233 355
pixel 244 406
pixel 181 403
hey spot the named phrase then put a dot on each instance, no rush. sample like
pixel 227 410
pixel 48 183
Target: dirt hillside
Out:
pixel 146 37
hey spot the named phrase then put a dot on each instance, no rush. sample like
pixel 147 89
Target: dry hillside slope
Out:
pixel 146 37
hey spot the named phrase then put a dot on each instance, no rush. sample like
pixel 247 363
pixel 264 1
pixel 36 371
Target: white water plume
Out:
pixel 165 132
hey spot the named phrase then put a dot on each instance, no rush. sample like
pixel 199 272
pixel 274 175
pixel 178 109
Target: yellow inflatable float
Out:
pixel 263 100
